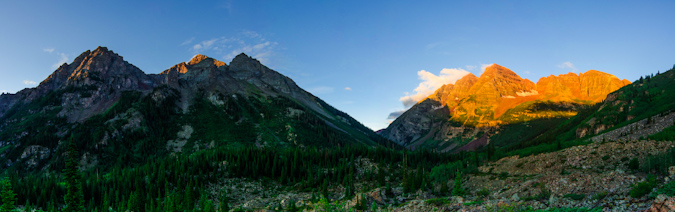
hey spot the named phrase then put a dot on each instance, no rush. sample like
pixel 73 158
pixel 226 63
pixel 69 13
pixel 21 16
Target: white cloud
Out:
pixel 248 42
pixel 3 91
pixel 527 72
pixel 204 44
pixel 430 83
pixel 28 82
pixel 188 41
pixel 348 88
pixel 469 67
pixel 250 34
pixel 483 67
pixel 63 58
pixel 567 65
pixel 321 90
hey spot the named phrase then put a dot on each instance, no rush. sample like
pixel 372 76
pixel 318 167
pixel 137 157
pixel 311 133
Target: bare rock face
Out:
pixel 590 86
pixel 414 123
pixel 479 103
pixel 663 203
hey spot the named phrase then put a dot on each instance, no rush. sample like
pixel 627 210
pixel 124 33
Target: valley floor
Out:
pixel 595 176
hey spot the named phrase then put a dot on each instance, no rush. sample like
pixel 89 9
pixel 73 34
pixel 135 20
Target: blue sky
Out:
pixel 362 57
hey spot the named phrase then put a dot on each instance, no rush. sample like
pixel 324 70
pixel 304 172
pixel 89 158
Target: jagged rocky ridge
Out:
pixel 477 107
pixel 117 112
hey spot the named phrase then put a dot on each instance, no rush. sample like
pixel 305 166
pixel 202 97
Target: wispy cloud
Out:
pixel 188 41
pixel 28 82
pixel 470 67
pixel 567 65
pixel 434 45
pixel 204 44
pixel 431 82
pixel 395 114
pixel 483 67
pixel 348 88
pixel 3 91
pixel 249 42
pixel 227 5
pixel 527 72
pixel 63 58
pixel 321 90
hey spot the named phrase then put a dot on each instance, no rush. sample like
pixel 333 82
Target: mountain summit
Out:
pixel 118 113
pixel 474 107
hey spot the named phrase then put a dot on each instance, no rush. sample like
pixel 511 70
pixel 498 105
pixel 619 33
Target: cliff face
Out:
pixel 499 97
pixel 591 86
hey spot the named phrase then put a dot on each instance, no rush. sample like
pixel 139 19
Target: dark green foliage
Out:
pixel 503 175
pixel 438 201
pixel 458 190
pixel 484 192
pixel 667 189
pixel 574 210
pixel 74 198
pixel 575 196
pixel 643 188
pixel 599 195
pixel 8 197
pixel 667 134
pixel 634 164
pixel 659 162
pixel 442 173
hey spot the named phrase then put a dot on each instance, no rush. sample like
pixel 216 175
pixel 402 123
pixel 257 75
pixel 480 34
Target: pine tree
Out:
pixel 134 204
pixel 224 204
pixel 458 190
pixel 444 188
pixel 8 197
pixel 74 198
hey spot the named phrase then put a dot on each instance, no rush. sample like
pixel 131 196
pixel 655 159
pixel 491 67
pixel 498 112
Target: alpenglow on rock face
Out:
pixel 458 113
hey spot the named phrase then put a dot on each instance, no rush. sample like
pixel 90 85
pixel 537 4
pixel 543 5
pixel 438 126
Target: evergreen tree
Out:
pixel 444 188
pixel 8 197
pixel 224 204
pixel 458 190
pixel 74 198
pixel 134 204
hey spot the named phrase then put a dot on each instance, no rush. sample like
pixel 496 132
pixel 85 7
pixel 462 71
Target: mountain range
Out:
pixel 117 114
pixel 476 108
pixel 204 134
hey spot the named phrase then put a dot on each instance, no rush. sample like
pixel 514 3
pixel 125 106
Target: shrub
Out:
pixel 503 175
pixel 606 157
pixel 667 189
pixel 437 201
pixel 642 188
pixel 484 192
pixel 599 196
pixel 575 196
pixel 634 164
